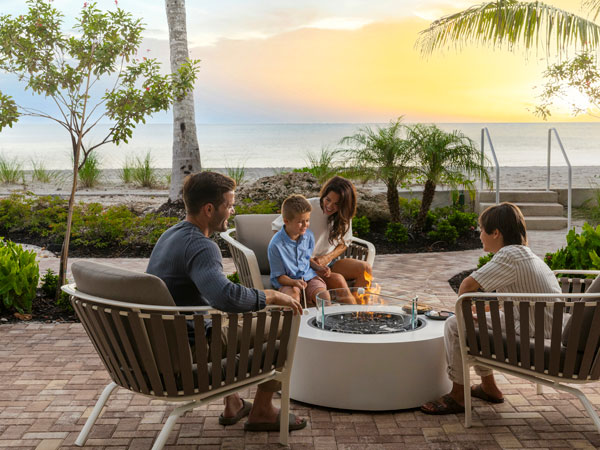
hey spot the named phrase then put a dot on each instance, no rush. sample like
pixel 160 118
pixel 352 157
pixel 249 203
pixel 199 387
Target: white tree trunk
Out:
pixel 186 153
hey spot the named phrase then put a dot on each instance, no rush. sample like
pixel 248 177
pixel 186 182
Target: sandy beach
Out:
pixel 111 190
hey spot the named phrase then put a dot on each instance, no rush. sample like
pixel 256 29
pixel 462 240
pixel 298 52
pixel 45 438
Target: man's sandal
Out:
pixel 445 405
pixel 243 412
pixel 478 392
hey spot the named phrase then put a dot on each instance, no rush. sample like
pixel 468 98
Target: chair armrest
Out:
pixel 576 272
pixel 245 261
pixel 370 259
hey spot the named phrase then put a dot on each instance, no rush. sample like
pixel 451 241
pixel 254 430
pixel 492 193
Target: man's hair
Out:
pixel 508 219
pixel 205 187
pixel 293 205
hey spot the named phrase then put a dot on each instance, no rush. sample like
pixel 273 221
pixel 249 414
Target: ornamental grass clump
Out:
pixel 143 173
pixel 19 276
pixel 11 171
pixel 90 172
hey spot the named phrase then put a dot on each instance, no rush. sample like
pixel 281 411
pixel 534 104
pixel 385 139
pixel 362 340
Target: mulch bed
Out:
pixel 455 281
pixel 44 309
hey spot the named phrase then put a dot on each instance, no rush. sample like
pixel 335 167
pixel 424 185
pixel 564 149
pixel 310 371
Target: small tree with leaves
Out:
pixel 443 158
pixel 90 75
pixel 381 154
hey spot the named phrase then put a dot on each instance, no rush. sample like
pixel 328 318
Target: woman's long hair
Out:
pixel 339 222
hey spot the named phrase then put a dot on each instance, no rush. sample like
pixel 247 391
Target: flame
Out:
pixel 370 296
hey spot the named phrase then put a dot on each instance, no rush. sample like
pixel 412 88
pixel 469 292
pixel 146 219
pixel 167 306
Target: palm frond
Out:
pixel 593 6
pixel 532 25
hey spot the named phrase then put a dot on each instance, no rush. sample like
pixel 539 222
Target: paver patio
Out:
pixel 50 378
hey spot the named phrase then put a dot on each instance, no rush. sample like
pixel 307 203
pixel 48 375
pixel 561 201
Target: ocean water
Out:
pixel 287 145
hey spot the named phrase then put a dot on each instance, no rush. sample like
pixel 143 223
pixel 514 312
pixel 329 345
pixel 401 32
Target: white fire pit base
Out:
pixel 373 372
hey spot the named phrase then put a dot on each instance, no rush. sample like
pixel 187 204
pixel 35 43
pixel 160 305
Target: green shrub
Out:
pixel 580 253
pixel 19 276
pixel 396 233
pixel 483 260
pixel 463 221
pixel 143 173
pixel 409 208
pixel 443 231
pixel 93 225
pixel 360 226
pixel 90 172
pixel 48 287
pixel 262 207
pixel 234 278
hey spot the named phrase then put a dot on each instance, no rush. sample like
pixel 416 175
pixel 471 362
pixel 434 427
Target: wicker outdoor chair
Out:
pixel 143 339
pixel 249 240
pixel 571 355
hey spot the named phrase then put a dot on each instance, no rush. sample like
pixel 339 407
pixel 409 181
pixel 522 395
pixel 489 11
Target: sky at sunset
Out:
pixel 336 61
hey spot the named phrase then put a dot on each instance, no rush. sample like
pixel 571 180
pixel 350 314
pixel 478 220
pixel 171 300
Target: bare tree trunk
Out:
pixel 186 153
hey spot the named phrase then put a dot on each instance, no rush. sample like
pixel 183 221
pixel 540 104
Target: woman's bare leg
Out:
pixel 353 269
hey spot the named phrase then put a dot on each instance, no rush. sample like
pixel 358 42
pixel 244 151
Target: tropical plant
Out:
pixel 186 151
pixel 443 158
pixel 19 276
pixel 70 67
pixel 532 25
pixel 381 154
pixel 581 252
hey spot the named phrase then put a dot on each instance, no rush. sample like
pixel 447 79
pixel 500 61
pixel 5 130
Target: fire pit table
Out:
pixel 375 355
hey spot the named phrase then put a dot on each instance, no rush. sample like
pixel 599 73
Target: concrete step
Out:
pixel 519 196
pixel 545 223
pixel 533 209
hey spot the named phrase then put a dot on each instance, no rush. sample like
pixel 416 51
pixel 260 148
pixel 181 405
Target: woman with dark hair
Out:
pixel 331 223
pixel 514 268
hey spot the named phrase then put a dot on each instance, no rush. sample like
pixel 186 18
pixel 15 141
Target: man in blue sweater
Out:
pixel 190 264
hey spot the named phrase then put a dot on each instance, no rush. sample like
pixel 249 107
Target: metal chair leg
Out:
pixel 161 440
pixel 284 414
pixel 467 394
pixel 95 413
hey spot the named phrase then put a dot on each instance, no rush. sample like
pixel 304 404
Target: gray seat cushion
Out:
pixel 254 231
pixel 588 314
pixel 118 284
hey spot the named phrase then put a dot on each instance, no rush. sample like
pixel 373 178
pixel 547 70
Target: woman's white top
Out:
pixel 319 227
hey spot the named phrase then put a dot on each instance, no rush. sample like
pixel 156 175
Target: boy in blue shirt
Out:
pixel 290 252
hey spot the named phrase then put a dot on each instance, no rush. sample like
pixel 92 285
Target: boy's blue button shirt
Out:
pixel 291 258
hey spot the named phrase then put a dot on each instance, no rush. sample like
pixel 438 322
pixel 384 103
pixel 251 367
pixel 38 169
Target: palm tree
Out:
pixel 443 158
pixel 186 152
pixel 381 154
pixel 514 23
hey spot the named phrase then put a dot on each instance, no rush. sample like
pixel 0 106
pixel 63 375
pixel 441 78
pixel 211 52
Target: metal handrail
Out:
pixel 486 132
pixel 562 149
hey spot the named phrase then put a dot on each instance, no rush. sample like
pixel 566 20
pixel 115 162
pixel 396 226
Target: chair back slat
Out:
pixel 484 337
pixel 573 343
pixel 555 340
pixel 259 339
pixel 232 347
pixel 184 354
pixel 578 285
pixel 216 350
pixel 138 383
pixel 109 326
pixel 144 352
pixel 269 360
pixel 158 338
pixel 511 338
pixel 470 328
pixel 524 334
pixel 538 354
pixel 284 339
pixel 591 346
pixel 93 318
pixel 245 346
pixel 497 331
pixel 201 352
pixel 565 284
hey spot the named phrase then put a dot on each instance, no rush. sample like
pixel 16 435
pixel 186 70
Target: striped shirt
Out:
pixel 515 268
